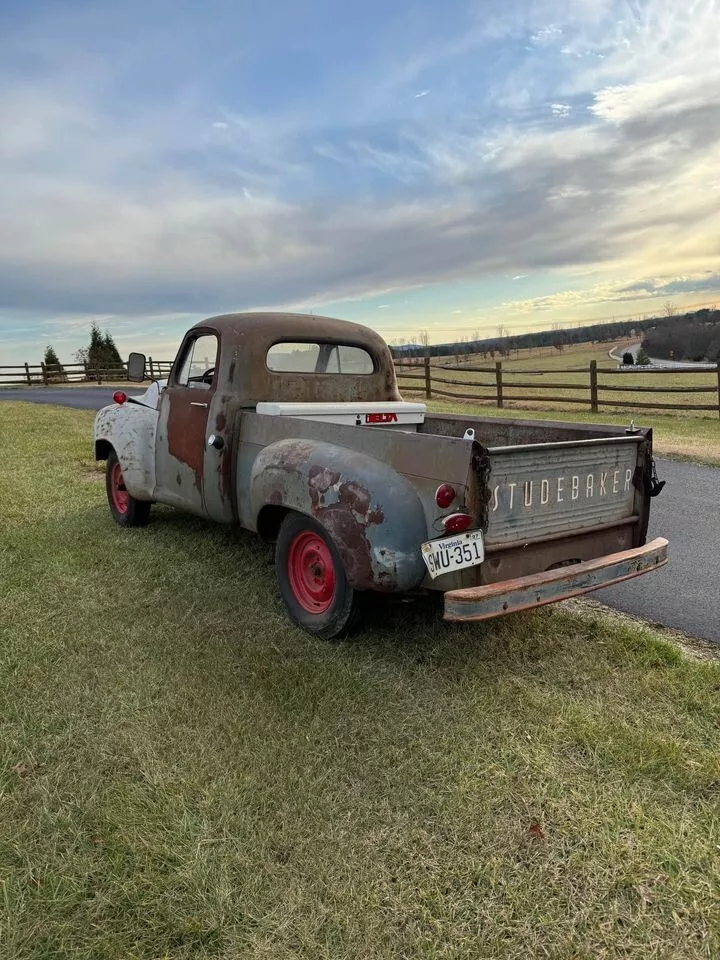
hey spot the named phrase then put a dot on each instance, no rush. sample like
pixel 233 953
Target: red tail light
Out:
pixel 457 522
pixel 119 396
pixel 444 495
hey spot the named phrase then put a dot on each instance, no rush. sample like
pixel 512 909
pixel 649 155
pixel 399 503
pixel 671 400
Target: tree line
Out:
pixel 692 336
pixel 100 354
pixel 697 324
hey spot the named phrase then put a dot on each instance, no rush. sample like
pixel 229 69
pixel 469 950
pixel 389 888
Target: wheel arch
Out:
pixel 270 519
pixel 372 513
pixel 103 449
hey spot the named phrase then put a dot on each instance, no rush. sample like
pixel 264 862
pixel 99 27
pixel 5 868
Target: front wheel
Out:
pixel 312 580
pixel 126 510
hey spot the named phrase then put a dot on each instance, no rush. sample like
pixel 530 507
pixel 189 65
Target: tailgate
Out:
pixel 543 491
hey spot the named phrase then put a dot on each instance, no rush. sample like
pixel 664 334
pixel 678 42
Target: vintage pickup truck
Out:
pixel 293 427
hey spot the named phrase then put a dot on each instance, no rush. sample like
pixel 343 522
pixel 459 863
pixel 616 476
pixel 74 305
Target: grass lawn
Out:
pixel 185 775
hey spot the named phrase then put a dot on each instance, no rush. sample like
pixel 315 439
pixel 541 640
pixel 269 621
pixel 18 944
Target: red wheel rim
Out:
pixel 312 572
pixel 120 495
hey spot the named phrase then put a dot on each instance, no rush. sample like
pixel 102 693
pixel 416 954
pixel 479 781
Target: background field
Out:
pixel 559 389
pixel 681 434
pixel 183 774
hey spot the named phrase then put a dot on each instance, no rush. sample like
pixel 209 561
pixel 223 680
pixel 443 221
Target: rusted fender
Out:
pixel 129 429
pixel 371 512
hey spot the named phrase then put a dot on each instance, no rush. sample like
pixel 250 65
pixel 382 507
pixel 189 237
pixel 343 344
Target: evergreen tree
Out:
pixel 54 369
pixel 102 354
pixel 96 349
pixel 111 351
pixel 642 359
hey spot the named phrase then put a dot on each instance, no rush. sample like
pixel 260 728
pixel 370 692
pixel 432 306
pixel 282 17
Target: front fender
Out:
pixel 370 511
pixel 129 429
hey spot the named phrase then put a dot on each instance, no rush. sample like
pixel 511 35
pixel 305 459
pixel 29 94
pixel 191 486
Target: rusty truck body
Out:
pixel 293 427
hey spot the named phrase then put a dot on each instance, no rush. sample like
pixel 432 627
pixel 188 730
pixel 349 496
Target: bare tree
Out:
pixel 670 309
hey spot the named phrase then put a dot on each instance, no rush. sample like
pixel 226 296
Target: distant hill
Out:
pixel 686 336
pixel 693 336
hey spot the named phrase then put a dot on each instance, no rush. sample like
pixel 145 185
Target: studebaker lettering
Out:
pixel 557 489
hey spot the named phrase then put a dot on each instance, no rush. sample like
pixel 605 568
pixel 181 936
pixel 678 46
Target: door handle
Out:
pixel 194 403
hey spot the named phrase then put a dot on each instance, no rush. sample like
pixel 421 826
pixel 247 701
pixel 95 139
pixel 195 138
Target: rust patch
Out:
pixel 320 479
pixel 220 421
pixel 346 521
pixel 275 497
pixel 352 544
pixel 376 516
pixel 352 495
pixel 186 435
pixel 225 470
pixel 295 455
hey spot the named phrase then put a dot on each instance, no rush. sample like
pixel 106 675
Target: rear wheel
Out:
pixel 312 580
pixel 126 510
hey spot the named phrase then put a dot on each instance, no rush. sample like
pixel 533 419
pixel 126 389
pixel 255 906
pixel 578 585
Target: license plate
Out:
pixel 453 553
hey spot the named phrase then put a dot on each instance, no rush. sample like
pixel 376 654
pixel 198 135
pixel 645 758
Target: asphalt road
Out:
pixel 82 398
pixel 684 595
pixel 664 364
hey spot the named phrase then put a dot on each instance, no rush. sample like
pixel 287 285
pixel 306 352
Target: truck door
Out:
pixel 182 433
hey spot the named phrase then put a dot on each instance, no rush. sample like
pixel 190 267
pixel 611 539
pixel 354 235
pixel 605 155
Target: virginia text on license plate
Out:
pixel 453 553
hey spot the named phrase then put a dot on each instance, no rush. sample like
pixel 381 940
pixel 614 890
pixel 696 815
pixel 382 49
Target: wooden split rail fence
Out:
pixel 47 375
pixel 499 385
pixel 496 385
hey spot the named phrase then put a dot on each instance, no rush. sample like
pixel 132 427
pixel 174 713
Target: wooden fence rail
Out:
pixel 46 375
pixel 499 388
pixel 590 381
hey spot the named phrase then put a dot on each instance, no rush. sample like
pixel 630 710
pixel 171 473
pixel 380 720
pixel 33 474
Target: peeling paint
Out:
pixel 352 495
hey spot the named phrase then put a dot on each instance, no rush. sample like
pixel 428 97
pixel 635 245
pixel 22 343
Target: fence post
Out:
pixel 593 387
pixel 98 374
pixel 428 381
pixel 498 382
pixel 27 375
pixel 150 361
pixel 44 373
pixel 717 366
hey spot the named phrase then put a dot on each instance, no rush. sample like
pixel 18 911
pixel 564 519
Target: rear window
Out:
pixel 319 358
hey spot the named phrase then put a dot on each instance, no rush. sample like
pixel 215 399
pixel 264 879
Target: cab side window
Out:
pixel 197 365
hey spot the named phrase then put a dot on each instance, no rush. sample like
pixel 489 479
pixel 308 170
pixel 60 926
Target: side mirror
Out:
pixel 136 367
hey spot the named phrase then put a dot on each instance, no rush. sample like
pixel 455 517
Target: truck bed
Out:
pixel 544 493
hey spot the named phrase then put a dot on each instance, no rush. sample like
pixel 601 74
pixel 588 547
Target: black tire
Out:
pixel 323 585
pixel 136 513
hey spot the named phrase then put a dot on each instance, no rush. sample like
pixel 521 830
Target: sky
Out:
pixel 454 167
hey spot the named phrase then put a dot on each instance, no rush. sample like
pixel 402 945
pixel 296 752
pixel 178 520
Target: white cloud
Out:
pixel 546 35
pixel 560 109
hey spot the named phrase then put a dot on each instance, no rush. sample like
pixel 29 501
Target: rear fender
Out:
pixel 129 429
pixel 370 511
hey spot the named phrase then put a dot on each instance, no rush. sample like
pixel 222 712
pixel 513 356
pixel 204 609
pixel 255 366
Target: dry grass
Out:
pixel 184 775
